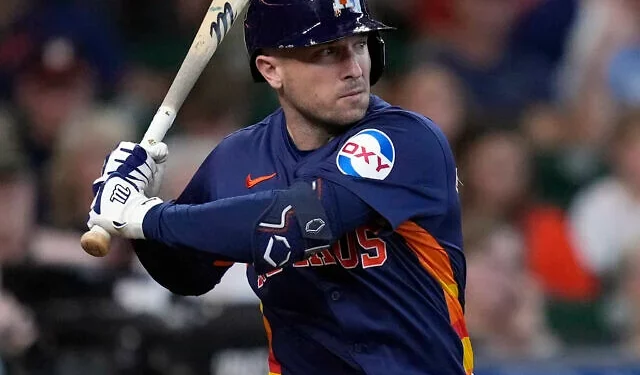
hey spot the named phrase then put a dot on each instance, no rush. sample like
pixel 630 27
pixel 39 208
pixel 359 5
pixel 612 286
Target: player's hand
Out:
pixel 143 168
pixel 119 207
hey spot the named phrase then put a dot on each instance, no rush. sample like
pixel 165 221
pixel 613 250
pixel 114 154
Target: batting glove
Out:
pixel 119 207
pixel 142 168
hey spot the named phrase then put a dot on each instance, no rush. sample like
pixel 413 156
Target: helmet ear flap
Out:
pixel 378 56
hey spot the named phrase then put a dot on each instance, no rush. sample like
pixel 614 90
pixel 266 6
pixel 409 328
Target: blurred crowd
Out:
pixel 540 100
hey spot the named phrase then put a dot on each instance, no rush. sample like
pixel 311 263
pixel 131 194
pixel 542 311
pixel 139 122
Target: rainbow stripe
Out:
pixel 274 366
pixel 435 260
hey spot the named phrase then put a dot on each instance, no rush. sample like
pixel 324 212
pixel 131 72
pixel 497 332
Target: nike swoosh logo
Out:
pixel 119 225
pixel 148 200
pixel 251 182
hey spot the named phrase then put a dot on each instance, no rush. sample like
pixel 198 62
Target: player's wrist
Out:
pixel 150 225
pixel 135 214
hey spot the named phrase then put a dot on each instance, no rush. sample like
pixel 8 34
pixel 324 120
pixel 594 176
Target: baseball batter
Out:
pixel 344 208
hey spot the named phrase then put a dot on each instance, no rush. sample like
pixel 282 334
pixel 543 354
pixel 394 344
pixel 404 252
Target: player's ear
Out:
pixel 270 69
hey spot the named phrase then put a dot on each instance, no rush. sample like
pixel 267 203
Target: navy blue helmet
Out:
pixel 303 23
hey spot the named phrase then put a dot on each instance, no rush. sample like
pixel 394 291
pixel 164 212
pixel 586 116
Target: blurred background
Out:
pixel 540 100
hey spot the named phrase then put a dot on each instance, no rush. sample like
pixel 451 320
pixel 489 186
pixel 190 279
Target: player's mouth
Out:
pixel 352 94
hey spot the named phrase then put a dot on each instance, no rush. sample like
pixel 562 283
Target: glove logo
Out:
pixel 314 226
pixel 368 154
pixel 270 247
pixel 120 194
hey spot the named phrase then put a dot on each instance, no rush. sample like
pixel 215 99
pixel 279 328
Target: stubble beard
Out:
pixel 333 125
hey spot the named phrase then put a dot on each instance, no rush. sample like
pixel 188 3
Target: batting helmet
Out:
pixel 303 23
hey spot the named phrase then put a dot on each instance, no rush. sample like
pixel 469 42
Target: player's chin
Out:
pixel 353 108
pixel 349 118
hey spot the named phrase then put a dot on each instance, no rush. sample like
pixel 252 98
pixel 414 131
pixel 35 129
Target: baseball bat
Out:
pixel 219 19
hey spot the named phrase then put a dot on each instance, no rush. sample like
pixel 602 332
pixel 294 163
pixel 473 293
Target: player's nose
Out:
pixel 351 65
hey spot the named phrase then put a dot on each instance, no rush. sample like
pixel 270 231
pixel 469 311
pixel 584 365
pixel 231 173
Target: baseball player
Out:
pixel 344 208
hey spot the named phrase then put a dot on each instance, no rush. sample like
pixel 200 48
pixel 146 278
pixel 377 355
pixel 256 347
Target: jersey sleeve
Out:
pixel 185 271
pixel 400 164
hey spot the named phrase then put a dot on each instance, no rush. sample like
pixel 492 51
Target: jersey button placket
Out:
pixel 335 295
pixel 359 348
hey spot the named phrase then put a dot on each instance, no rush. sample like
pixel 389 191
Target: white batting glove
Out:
pixel 144 168
pixel 159 152
pixel 119 208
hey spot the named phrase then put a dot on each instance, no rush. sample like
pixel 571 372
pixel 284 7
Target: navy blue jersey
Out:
pixel 388 297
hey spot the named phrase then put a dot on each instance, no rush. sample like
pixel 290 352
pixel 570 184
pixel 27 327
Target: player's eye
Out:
pixel 361 45
pixel 329 51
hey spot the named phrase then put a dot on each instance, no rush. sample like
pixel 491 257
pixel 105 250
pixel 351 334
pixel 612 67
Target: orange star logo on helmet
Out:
pixel 339 5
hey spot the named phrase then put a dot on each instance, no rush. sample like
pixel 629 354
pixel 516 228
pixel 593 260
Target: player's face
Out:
pixel 328 84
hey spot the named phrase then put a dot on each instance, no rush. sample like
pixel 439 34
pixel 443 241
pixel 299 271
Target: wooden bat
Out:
pixel 219 19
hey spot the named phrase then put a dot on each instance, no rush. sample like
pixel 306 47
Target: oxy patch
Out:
pixel 368 154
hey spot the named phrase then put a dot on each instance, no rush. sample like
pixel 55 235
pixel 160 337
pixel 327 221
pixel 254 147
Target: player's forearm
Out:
pixel 222 227
pixel 268 229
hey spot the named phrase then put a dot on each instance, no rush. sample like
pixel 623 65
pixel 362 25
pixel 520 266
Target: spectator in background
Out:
pixel 504 304
pixel 55 86
pixel 156 39
pixel 159 32
pixel 432 17
pixel 605 217
pixel 542 24
pixel 552 253
pixel 624 75
pixel 84 23
pixel 22 239
pixel 562 168
pixel 399 13
pixel 436 16
pixel 603 221
pixel 17 195
pixel 476 46
pixel 543 27
pixel 158 35
pixel 12 44
pixel 214 111
pixel 17 327
pixel 436 92
pixel 10 10
pixel 625 311
pixel 495 168
pixel 80 148
pixel 495 173
pixel 603 30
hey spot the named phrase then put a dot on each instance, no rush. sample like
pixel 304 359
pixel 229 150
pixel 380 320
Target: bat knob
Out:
pixel 96 242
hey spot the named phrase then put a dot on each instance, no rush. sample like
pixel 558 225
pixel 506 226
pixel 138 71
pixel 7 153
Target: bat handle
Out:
pixel 160 124
pixel 96 241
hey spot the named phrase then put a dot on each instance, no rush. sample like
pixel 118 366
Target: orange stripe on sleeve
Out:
pixel 435 260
